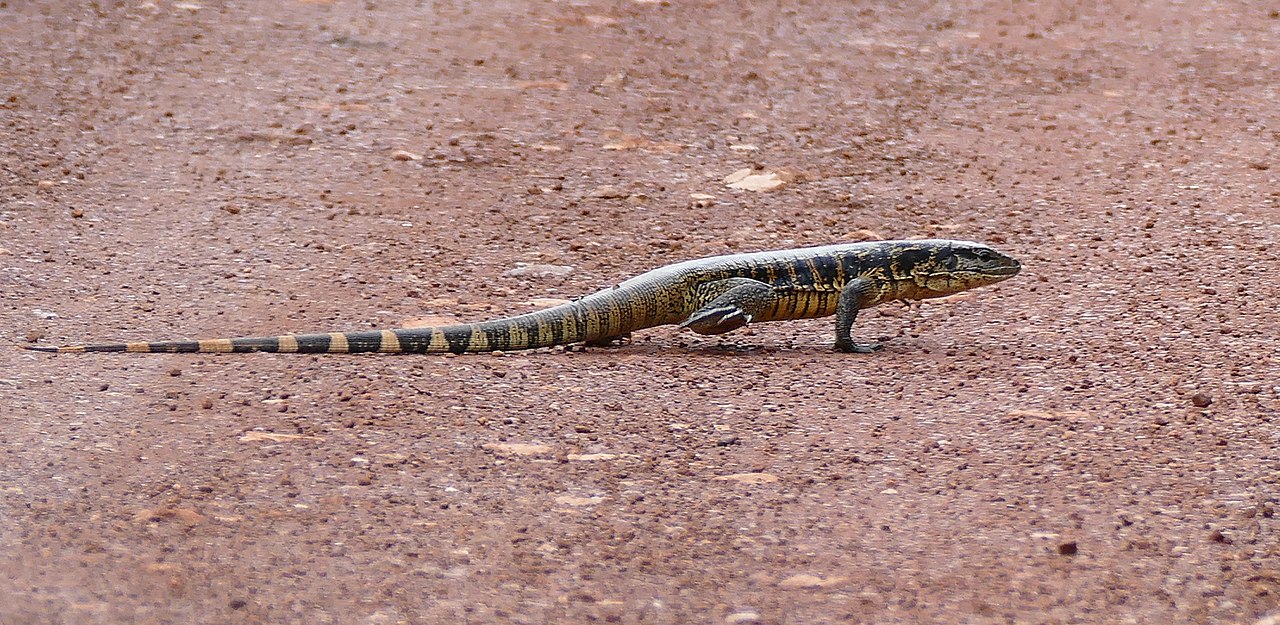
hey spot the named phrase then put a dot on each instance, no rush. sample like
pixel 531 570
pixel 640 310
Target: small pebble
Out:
pixel 1201 400
pixel 1069 548
pixel 802 580
pixel 608 192
pixel 539 271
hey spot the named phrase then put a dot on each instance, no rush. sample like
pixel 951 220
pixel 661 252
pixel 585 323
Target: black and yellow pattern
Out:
pixel 709 296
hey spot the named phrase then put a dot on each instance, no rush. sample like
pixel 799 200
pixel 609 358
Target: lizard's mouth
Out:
pixel 1007 270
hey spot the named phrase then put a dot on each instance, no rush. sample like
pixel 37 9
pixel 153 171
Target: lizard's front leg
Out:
pixel 855 295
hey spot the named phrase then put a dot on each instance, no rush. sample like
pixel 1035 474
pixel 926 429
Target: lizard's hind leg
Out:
pixel 741 300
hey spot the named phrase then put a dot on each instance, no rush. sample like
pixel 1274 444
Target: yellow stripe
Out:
pixel 139 347
pixel 810 295
pixel 70 350
pixel 626 317
pixel 515 336
pixel 438 342
pixel 593 324
pixel 390 343
pixel 337 343
pixel 220 346
pixel 610 320
pixel 479 341
pixel 566 328
pixel 288 344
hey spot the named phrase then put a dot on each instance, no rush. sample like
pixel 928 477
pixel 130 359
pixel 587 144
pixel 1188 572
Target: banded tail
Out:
pixel 567 323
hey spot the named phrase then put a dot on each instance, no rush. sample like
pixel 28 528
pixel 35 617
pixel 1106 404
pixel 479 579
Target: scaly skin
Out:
pixel 709 295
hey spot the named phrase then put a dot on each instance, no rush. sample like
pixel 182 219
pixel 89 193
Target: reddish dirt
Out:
pixel 1094 441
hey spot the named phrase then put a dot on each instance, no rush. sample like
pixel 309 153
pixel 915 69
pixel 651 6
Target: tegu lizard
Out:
pixel 709 296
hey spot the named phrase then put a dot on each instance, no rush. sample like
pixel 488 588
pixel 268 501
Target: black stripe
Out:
pixel 794 273
pixel 255 344
pixel 175 346
pixel 497 335
pixel 458 338
pixel 363 342
pixel 824 267
pixel 531 331
pixel 312 343
pixel 48 350
pixel 906 261
pixel 414 341
pixel 557 330
pixel 766 273
pixel 760 272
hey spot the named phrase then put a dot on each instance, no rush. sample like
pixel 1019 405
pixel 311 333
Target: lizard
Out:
pixel 708 296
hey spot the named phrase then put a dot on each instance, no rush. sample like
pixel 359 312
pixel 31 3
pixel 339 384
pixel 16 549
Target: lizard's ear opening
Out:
pixel 950 260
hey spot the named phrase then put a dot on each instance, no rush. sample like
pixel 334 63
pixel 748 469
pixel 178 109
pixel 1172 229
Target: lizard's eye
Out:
pixel 982 254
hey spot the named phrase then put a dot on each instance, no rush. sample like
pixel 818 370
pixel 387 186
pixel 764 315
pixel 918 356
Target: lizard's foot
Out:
pixel 851 347
pixel 717 320
pixel 740 301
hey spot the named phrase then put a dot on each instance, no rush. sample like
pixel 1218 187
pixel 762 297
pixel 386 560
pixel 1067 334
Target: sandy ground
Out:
pixel 1095 441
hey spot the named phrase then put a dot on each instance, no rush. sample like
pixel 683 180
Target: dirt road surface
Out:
pixel 1095 441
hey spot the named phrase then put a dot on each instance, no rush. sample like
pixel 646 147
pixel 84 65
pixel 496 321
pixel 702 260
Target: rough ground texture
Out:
pixel 1094 441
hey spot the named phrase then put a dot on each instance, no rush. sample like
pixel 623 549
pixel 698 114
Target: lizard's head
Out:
pixel 947 267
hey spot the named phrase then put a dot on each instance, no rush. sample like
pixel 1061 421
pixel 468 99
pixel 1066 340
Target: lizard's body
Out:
pixel 710 296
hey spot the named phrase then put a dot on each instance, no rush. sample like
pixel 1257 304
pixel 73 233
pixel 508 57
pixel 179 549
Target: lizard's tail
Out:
pixel 396 341
pixel 568 323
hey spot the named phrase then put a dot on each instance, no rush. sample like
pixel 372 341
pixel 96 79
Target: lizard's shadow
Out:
pixel 722 349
